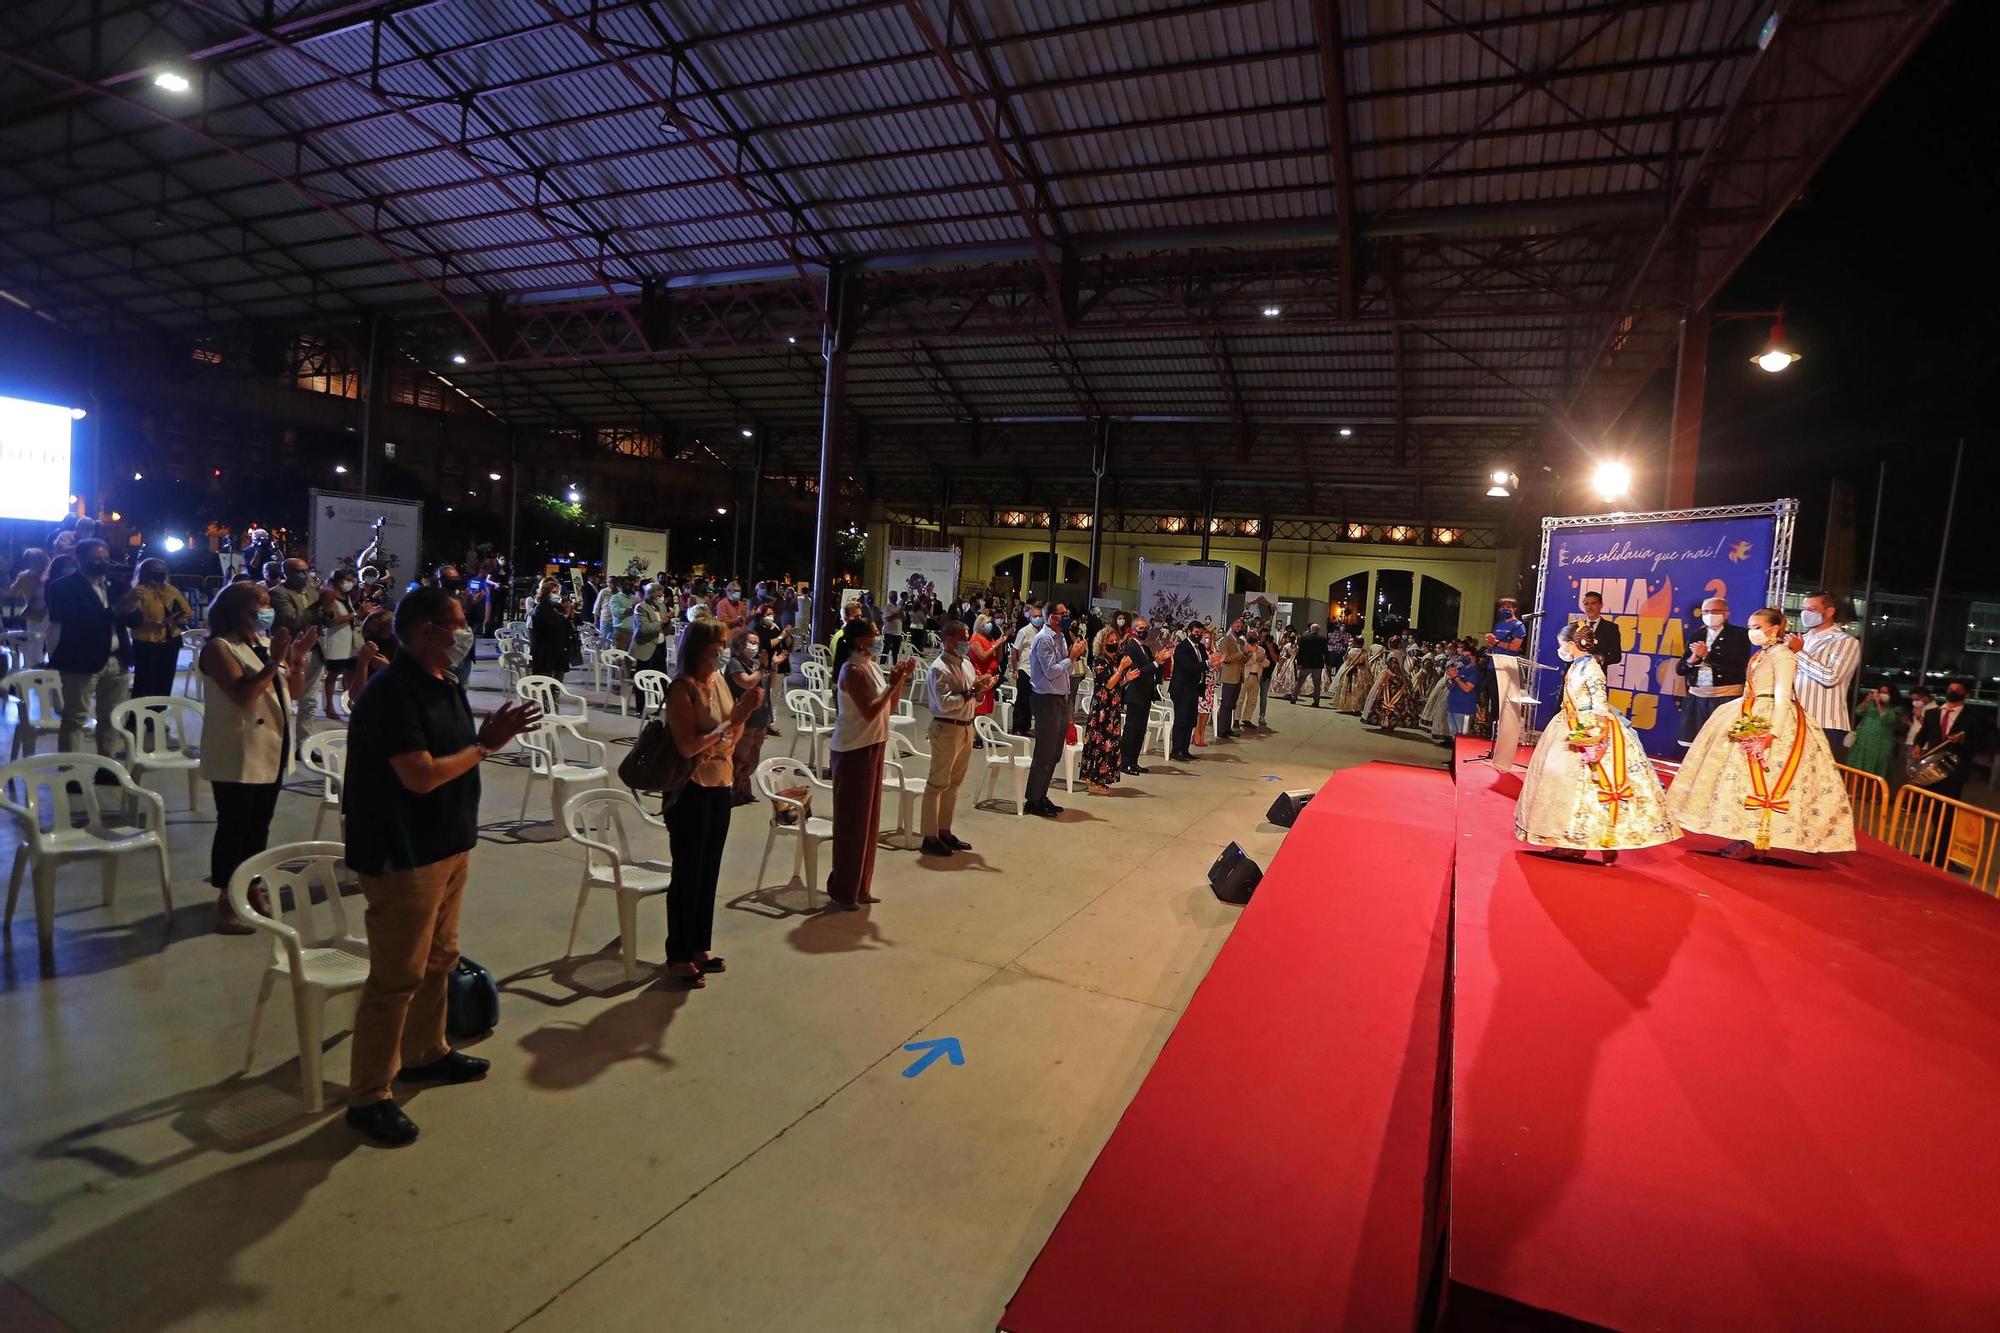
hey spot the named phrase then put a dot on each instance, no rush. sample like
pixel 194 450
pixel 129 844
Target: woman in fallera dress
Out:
pixel 1590 787
pixel 1760 773
pixel 1350 683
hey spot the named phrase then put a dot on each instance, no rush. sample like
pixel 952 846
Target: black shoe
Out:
pixel 935 847
pixel 954 843
pixel 1136 770
pixel 383 1123
pixel 1181 758
pixel 451 1067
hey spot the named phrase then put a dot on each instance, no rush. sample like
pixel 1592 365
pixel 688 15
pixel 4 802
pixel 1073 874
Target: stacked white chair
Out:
pixel 1159 728
pixel 325 753
pixel 818 676
pixel 562 756
pixel 194 684
pixel 159 738
pixel 312 946
pixel 76 829
pixel 812 718
pixel 1004 752
pixel 776 776
pixel 601 822
pixel 652 687
pixel 37 699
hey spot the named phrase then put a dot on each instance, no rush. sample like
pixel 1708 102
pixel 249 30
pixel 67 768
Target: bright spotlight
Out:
pixel 340 469
pixel 172 82
pixel 493 476
pixel 138 476
pixel 1611 480
pixel 790 339
pixel 575 496
pixel 77 414
pixel 722 509
pixel 747 432
pixel 1774 361
pixel 1272 311
pixel 458 358
pixel 174 545
pixel 1346 431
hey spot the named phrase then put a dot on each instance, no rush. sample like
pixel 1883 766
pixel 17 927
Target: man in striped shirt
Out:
pixel 1828 658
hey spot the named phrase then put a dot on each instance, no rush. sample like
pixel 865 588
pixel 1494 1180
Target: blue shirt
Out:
pixel 1048 662
pixel 1506 631
pixel 1461 702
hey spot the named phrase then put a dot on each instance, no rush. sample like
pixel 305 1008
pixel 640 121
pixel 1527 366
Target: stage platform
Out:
pixel 1691 1093
pixel 1682 1093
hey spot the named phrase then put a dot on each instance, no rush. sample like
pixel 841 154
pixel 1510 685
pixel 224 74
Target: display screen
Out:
pixel 34 459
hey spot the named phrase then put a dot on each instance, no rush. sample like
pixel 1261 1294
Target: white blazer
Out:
pixel 245 744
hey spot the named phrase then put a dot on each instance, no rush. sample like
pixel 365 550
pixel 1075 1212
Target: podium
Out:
pixel 1514 686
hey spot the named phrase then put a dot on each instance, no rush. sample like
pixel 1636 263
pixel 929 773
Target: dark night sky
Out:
pixel 1887 271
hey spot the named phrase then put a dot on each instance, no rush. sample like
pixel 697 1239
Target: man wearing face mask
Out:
pixel 731 610
pixel 1050 658
pixel 1828 658
pixel 451 581
pixel 298 610
pixel 1023 720
pixel 1954 727
pixel 1713 667
pixel 94 648
pixel 411 803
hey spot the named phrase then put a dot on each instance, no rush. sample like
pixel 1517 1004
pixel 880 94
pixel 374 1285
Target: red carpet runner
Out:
pixel 1271 1171
pixel 1694 1094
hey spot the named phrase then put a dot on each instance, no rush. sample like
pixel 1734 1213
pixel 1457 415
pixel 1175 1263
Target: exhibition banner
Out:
pixel 634 553
pixel 1174 594
pixel 344 526
pixel 1654 571
pixel 914 573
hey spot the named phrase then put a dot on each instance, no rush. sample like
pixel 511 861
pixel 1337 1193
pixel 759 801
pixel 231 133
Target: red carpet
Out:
pixel 1274 1170
pixel 1693 1094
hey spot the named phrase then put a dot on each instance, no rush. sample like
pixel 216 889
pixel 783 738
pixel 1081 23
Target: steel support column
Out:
pixel 1207 514
pixel 1100 458
pixel 1690 386
pixel 371 344
pixel 749 571
pixel 1055 524
pixel 1264 556
pixel 822 605
pixel 513 524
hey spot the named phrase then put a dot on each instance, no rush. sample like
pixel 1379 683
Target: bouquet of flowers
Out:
pixel 1589 738
pixel 1752 733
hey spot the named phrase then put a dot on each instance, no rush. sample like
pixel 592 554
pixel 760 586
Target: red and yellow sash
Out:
pixel 1610 775
pixel 1767 796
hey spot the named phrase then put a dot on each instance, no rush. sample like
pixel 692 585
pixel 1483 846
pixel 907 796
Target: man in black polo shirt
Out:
pixel 411 801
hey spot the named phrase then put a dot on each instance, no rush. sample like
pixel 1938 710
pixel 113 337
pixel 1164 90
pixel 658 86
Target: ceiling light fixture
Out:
pixel 1503 485
pixel 1272 311
pixel 1346 431
pixel 340 469
pixel 458 358
pixel 493 476
pixel 1776 356
pixel 747 432
pixel 171 81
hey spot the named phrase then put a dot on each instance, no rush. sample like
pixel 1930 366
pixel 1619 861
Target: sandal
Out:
pixel 226 920
pixel 712 963
pixel 685 980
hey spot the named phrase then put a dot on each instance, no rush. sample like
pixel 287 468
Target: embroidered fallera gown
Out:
pixel 1615 804
pixel 1791 798
pixel 1350 683
pixel 1394 702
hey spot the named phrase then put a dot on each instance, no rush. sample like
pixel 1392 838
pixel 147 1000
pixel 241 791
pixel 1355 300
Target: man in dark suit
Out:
pixel 1717 657
pixel 1142 686
pixel 94 649
pixel 1311 663
pixel 1968 731
pixel 1190 679
pixel 1610 643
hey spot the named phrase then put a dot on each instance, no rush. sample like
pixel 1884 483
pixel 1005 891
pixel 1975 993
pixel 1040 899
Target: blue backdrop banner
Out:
pixel 1654 571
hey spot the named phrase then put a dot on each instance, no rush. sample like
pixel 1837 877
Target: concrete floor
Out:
pixel 750 1156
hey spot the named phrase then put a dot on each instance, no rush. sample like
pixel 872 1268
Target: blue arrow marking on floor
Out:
pixel 932 1049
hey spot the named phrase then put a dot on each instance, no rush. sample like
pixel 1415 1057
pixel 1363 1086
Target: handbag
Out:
pixel 655 763
pixel 471 1001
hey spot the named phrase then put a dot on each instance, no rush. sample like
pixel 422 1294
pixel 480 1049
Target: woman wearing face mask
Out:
pixel 549 633
pixel 1590 786
pixel 1878 726
pixel 156 639
pixel 649 635
pixel 860 736
pixel 246 741
pixel 706 724
pixel 340 639
pixel 983 650
pixel 1771 781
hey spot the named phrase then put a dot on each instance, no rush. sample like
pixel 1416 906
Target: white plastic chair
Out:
pixel 37 699
pixel 562 756
pixel 325 753
pixel 315 950
pixel 652 687
pixel 1159 728
pixel 775 776
pixel 601 822
pixel 1071 751
pixel 817 676
pixel 812 719
pixel 820 655
pixel 558 702
pixel 30 786
pixel 614 669
pixel 1004 751
pixel 896 778
pixel 194 685
pixel 159 738
pixel 1004 697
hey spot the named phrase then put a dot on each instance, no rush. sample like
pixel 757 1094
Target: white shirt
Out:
pixel 949 680
pixel 851 730
pixel 1704 675
pixel 1828 659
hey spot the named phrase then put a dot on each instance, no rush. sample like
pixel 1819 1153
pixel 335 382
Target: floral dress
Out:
pixel 1393 703
pixel 1790 797
pixel 1609 804
pixel 1285 680
pixel 1100 758
pixel 1350 685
